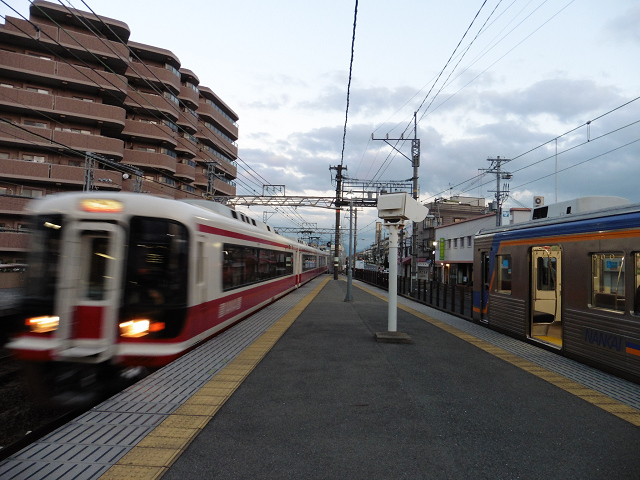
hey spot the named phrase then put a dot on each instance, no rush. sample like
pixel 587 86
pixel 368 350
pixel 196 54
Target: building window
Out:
pixel 33 123
pixel 173 69
pixel 171 153
pixel 171 125
pixel 188 188
pixel 455 243
pixel 34 158
pixel 39 55
pixel 84 99
pixel 172 97
pixel 469 241
pixel 167 180
pixel 449 243
pixel 74 130
pixel 30 192
pixel 607 273
pixel 147 149
pixel 8 85
pixel 191 86
pixel 37 90
pixel 4 155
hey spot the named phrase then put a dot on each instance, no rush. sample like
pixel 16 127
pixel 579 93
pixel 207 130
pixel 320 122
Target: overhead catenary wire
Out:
pixel 250 171
pixel 346 115
pixel 591 140
pixel 129 87
pixel 391 155
pixel 75 12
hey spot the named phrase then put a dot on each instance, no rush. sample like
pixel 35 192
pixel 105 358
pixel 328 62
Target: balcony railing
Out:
pixel 150 160
pixel 157 133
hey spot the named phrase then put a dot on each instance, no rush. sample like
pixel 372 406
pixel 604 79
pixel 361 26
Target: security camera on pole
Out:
pixel 395 209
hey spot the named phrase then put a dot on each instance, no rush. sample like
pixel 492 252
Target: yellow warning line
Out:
pixel 152 457
pixel 598 399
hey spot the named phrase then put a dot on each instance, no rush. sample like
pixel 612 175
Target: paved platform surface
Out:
pixel 309 393
pixel 330 402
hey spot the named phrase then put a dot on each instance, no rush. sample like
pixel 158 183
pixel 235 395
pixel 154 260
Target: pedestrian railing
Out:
pixel 457 299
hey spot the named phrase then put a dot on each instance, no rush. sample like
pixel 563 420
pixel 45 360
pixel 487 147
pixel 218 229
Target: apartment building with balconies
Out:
pixel 76 93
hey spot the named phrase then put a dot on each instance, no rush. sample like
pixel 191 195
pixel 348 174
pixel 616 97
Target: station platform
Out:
pixel 303 390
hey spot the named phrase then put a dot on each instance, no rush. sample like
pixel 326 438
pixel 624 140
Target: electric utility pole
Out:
pixel 336 256
pixel 501 195
pixel 415 162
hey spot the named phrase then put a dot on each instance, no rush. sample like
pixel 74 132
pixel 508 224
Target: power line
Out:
pixel 580 163
pixel 389 157
pixel 129 87
pixel 554 139
pixel 346 115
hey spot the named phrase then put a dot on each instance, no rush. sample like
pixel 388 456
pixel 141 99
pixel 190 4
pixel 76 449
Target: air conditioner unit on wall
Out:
pixel 538 201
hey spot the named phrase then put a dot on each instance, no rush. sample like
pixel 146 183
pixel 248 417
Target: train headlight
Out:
pixel 135 328
pixel 139 327
pixel 42 324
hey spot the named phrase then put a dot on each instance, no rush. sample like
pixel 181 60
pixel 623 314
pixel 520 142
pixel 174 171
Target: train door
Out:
pixel 484 287
pixel 546 295
pixel 88 296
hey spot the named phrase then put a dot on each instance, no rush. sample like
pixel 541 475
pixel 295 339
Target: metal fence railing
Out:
pixel 457 299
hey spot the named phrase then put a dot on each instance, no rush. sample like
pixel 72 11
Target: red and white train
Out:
pixel 120 280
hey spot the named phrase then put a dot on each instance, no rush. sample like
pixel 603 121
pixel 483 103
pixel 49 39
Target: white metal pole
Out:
pixel 349 295
pixel 393 278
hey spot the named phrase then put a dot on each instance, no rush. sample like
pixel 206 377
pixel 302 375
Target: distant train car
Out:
pixel 569 281
pixel 120 280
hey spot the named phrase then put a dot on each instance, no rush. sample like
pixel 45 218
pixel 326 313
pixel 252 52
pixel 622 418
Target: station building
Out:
pixel 82 107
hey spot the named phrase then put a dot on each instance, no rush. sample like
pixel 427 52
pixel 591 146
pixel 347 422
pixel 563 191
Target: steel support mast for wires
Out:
pixel 338 204
pixel 415 162
pixel 501 194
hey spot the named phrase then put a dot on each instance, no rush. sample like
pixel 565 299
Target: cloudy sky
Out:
pixel 523 74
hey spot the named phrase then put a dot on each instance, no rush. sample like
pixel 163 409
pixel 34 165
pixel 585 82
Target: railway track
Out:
pixel 22 420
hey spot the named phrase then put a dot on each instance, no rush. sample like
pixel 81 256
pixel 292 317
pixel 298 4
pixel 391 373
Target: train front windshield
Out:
pixel 44 261
pixel 156 273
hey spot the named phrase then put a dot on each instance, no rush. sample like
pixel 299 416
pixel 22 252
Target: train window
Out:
pixel 503 274
pixel 44 259
pixel 309 262
pixel 200 263
pixel 546 268
pixel 97 275
pixel 157 263
pixel 607 273
pixel 244 265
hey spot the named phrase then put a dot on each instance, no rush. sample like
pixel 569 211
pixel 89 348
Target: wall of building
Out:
pixel 72 85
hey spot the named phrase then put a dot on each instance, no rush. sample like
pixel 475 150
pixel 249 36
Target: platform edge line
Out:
pixel 139 469
pixel 626 413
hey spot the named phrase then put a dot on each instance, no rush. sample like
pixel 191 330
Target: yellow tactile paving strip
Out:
pixel 598 399
pixel 152 457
